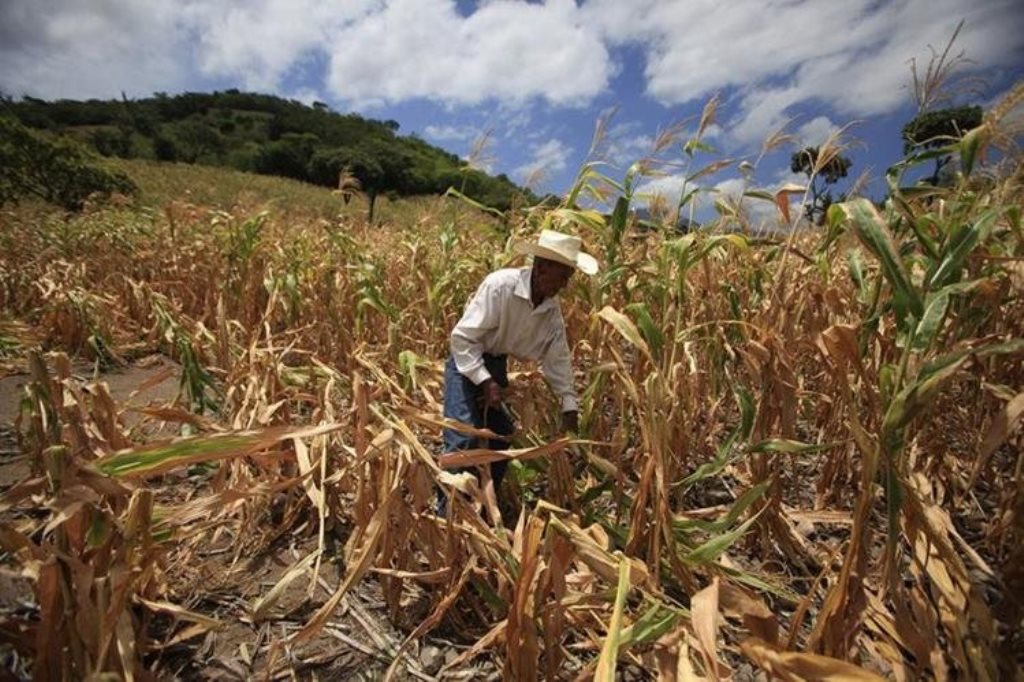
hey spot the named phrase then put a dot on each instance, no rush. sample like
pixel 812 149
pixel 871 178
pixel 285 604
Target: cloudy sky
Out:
pixel 534 76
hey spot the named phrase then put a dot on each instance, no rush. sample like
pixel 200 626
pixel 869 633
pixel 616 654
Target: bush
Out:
pixel 112 142
pixel 58 171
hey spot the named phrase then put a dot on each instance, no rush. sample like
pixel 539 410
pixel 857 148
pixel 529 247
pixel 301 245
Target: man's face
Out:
pixel 549 277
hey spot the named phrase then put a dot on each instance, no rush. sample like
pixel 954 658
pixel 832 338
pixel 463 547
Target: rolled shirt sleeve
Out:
pixel 481 315
pixel 557 368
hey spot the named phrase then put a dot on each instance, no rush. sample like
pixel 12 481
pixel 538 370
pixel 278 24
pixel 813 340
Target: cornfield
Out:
pixel 799 455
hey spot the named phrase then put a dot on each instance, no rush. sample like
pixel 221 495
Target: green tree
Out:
pixel 379 166
pixel 823 173
pixel 110 142
pixel 287 156
pixel 164 148
pixel 195 140
pixel 60 172
pixel 939 128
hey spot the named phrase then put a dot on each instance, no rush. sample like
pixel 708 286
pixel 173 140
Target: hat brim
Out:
pixel 584 262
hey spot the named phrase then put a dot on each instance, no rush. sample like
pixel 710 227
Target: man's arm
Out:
pixel 466 341
pixel 557 368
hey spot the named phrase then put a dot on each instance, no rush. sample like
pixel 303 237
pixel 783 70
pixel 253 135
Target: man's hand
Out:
pixel 571 421
pixel 491 394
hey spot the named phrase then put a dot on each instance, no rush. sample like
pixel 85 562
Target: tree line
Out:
pixel 267 135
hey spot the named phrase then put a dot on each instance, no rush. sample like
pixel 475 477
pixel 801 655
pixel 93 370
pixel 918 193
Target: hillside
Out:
pixel 267 135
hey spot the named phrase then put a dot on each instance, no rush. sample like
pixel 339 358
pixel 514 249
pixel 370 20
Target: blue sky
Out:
pixel 536 76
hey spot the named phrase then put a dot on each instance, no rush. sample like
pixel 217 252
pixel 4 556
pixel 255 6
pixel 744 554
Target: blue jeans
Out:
pixel 462 403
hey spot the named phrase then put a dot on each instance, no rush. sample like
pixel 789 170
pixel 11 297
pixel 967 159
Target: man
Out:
pixel 514 312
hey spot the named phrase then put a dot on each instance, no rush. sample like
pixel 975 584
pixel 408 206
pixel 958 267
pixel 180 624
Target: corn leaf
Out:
pixel 605 671
pixel 624 326
pixel 933 376
pixel 161 457
pixel 716 546
pixel 789 446
pixel 793 665
pixel 970 144
pixel 961 246
pixel 871 230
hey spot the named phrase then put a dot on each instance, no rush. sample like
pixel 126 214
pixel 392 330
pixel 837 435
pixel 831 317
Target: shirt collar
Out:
pixel 522 290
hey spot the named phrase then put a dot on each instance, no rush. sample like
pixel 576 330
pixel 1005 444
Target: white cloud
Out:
pixel 364 51
pixel 66 49
pixel 731 187
pixel 546 158
pixel 259 41
pixel 625 143
pixel 871 78
pixel 815 132
pixel 449 133
pixel 850 55
pixel 848 58
pixel 505 50
pixel 667 187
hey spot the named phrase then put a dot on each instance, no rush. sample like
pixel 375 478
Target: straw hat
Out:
pixel 561 248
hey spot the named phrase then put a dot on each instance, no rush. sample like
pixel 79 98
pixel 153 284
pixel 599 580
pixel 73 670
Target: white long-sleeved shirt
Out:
pixel 500 320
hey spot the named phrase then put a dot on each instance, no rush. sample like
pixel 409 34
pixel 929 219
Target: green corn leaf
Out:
pixel 614 275
pixel 856 265
pixel 720 240
pixel 727 452
pixel 591 494
pixel 936 305
pixel 605 670
pixel 632 173
pixel 931 379
pixel 158 458
pixel 696 145
pixel 617 223
pixel 871 230
pixel 970 144
pixel 651 332
pixel 789 446
pixel 926 242
pixel 452 192
pixel 1013 219
pixel 407 363
pixel 894 173
pixel 687 197
pixel 934 313
pixel 742 503
pixel 588 218
pixel 716 546
pixel 654 623
pixel 724 209
pixel 835 222
pixel 587 172
pixel 748 412
pixel 960 247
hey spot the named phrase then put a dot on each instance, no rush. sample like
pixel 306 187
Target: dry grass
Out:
pixel 797 457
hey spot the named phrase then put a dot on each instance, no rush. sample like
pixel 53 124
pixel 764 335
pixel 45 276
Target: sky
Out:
pixel 534 78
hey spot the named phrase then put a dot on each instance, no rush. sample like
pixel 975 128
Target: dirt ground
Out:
pixel 123 383
pixel 156 376
pixel 359 642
